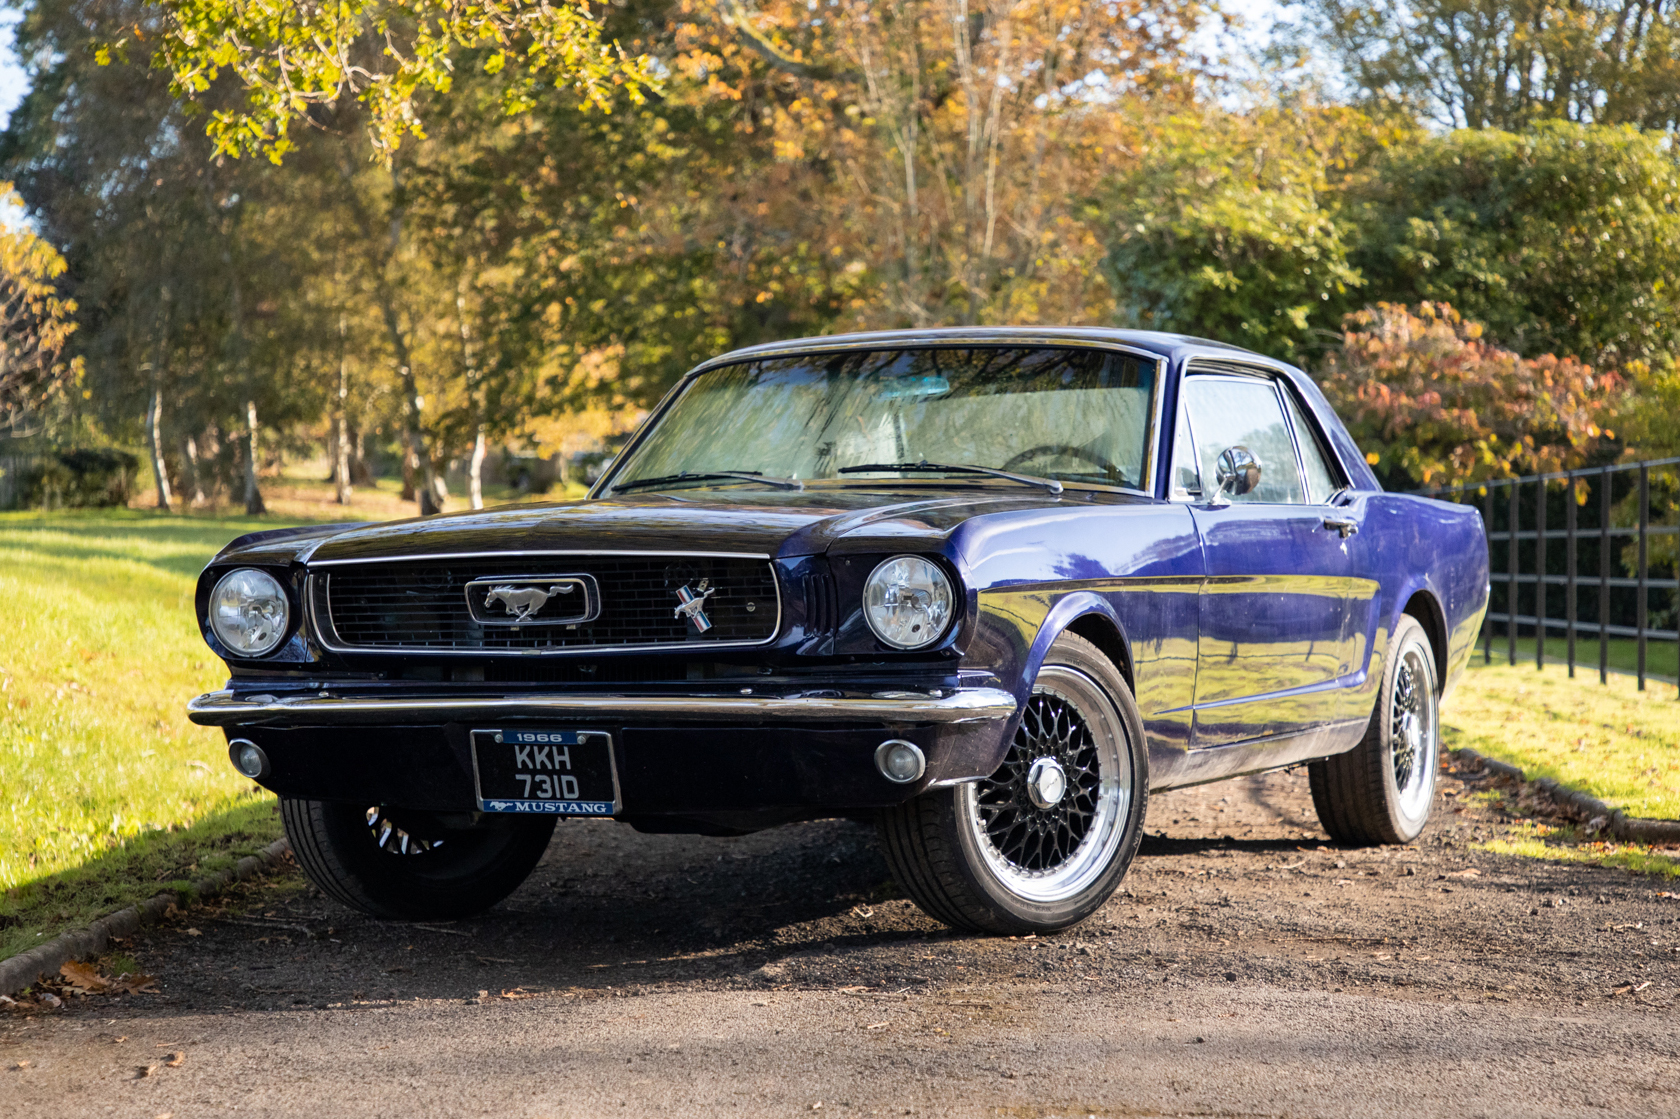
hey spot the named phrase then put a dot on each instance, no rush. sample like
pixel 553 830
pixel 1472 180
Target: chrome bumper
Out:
pixel 967 705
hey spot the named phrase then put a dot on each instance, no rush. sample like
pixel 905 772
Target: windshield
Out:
pixel 1075 415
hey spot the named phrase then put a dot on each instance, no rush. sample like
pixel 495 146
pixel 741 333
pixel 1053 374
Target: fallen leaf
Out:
pixel 143 1071
pixel 175 1060
pixel 21 1064
pixel 50 999
pixel 194 932
pixel 134 984
pixel 84 980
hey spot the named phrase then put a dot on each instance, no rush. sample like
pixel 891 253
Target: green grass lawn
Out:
pixel 1617 743
pixel 1661 657
pixel 107 793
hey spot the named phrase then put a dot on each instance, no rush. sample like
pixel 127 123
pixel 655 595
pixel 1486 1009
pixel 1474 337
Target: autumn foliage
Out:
pixel 1436 405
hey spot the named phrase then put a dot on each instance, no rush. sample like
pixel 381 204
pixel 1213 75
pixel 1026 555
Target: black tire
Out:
pixel 416 871
pixel 1382 790
pixel 966 855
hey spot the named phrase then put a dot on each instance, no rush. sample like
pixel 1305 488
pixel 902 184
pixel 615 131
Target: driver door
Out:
pixel 1275 609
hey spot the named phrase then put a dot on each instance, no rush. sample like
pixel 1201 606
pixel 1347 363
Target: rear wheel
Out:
pixel 1043 842
pixel 407 865
pixel 1382 790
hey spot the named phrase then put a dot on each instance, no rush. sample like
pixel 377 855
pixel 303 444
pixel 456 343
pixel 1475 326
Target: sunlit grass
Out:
pixel 1611 740
pixel 1532 840
pixel 99 653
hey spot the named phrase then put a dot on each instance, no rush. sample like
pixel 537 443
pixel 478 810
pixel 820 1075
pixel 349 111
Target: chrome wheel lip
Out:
pixel 1414 734
pixel 1102 840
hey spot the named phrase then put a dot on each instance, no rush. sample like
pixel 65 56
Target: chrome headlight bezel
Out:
pixel 249 612
pixel 909 624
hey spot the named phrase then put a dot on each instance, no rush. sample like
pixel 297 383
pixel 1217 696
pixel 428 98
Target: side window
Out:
pixel 1322 480
pixel 1230 412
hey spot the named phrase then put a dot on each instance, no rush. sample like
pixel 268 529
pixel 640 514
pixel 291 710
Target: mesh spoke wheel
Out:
pixel 1049 820
pixel 393 839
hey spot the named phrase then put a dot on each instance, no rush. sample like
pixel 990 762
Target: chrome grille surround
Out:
pixel 424 611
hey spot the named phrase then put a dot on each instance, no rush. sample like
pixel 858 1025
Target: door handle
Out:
pixel 1346 528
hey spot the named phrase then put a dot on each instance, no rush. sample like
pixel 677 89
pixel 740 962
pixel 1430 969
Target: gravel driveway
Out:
pixel 1245 969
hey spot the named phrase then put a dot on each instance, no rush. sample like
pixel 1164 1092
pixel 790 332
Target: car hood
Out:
pixel 776 523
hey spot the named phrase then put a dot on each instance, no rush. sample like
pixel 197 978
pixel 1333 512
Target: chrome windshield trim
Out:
pixel 965 705
pixel 1076 338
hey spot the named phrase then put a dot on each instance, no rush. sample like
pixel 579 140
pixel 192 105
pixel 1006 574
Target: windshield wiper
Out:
pixel 942 468
pixel 705 475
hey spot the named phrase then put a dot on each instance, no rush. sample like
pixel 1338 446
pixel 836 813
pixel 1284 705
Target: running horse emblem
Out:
pixel 693 606
pixel 523 602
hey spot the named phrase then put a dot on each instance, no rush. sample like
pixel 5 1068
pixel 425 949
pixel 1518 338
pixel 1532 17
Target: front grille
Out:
pixel 422 604
pixel 822 608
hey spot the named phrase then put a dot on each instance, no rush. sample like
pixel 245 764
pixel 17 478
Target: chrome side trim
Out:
pixel 967 705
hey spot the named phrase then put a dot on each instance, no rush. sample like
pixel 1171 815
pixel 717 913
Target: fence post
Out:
pixel 1540 573
pixel 1604 575
pixel 1644 561
pixel 1487 627
pixel 1511 570
pixel 1569 559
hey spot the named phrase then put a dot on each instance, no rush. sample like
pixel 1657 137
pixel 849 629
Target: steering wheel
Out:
pixel 1115 478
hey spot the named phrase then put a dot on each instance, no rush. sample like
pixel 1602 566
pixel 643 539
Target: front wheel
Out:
pixel 409 866
pixel 1382 790
pixel 1043 842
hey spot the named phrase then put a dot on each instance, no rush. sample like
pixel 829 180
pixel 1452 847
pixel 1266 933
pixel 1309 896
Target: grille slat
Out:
pixel 422 604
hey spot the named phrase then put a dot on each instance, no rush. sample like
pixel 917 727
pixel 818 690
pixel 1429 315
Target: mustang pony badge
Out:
pixel 522 602
pixel 694 606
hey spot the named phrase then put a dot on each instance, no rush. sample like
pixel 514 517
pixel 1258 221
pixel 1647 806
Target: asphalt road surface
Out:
pixel 1245 969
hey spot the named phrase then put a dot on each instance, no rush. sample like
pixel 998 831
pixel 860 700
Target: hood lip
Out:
pixel 421 557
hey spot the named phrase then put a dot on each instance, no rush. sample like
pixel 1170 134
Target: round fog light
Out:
pixel 248 758
pixel 899 761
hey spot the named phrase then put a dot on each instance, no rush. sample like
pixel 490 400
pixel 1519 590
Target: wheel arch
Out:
pixel 1426 608
pixel 1090 617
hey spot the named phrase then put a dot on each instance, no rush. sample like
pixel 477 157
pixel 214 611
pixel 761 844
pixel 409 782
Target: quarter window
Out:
pixel 1321 479
pixel 1228 412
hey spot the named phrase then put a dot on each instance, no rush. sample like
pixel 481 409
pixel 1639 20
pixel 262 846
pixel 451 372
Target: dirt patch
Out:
pixel 1483 977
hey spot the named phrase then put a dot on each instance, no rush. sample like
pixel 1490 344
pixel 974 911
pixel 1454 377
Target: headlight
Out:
pixel 907 602
pixel 249 612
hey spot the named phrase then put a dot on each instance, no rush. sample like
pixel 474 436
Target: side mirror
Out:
pixel 1237 473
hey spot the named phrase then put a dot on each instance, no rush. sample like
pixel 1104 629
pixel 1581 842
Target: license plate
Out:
pixel 557 772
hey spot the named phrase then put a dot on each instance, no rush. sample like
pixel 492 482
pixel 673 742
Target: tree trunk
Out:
pixel 193 480
pixel 475 474
pixel 154 436
pixel 341 420
pixel 410 469
pixel 253 496
pixel 360 473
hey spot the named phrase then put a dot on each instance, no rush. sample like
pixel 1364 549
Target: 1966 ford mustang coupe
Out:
pixel 992 587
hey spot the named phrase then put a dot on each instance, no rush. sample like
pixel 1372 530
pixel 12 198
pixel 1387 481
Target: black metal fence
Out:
pixel 1585 557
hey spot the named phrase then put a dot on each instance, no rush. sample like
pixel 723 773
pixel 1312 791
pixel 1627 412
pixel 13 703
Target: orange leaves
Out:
pixel 84 979
pixel 1440 406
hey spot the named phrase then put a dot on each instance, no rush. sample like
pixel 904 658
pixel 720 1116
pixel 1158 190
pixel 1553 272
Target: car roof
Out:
pixel 1171 346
